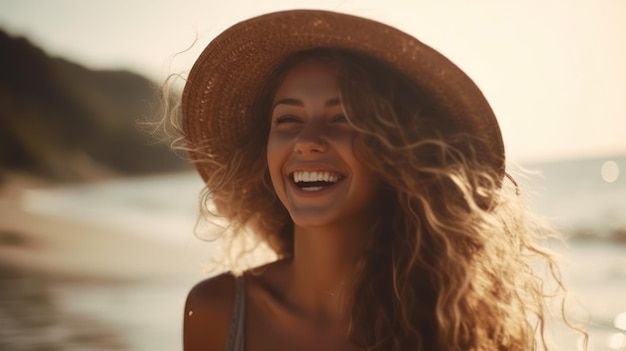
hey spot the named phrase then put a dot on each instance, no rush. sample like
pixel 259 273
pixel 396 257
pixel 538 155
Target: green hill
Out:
pixel 64 122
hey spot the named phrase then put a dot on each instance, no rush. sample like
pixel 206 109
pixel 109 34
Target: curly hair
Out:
pixel 448 265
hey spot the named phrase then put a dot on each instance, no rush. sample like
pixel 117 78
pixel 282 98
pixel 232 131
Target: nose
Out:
pixel 311 139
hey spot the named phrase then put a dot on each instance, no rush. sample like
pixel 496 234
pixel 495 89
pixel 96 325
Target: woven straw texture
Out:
pixel 225 79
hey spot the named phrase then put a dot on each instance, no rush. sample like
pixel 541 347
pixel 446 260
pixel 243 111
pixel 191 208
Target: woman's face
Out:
pixel 310 153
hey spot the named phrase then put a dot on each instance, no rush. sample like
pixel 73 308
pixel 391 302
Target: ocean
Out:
pixel 585 199
pixel 581 197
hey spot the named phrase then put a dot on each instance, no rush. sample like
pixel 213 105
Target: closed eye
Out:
pixel 339 119
pixel 286 119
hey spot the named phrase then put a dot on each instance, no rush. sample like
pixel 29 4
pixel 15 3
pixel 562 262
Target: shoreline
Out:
pixel 74 285
pixel 53 245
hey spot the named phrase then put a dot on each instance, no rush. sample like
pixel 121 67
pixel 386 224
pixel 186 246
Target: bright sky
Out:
pixel 554 71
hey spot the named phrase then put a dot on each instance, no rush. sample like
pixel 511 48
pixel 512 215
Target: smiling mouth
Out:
pixel 312 181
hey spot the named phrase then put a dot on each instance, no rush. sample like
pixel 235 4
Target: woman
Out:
pixel 374 168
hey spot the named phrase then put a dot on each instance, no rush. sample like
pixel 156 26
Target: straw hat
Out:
pixel 225 79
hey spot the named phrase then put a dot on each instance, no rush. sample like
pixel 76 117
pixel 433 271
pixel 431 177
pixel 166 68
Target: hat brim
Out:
pixel 225 80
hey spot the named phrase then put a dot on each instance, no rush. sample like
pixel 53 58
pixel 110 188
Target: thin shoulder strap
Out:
pixel 236 333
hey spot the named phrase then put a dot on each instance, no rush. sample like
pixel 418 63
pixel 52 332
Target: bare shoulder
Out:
pixel 208 312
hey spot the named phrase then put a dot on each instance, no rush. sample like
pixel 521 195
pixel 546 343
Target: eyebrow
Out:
pixel 296 102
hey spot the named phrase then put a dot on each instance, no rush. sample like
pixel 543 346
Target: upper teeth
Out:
pixel 316 176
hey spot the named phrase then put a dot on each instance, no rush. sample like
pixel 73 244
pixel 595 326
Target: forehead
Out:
pixel 309 78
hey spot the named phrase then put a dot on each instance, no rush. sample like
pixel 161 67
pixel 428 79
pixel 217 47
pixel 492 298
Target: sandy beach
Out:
pixel 70 285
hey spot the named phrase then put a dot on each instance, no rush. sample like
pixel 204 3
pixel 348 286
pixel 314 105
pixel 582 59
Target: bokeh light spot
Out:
pixel 616 341
pixel 610 171
pixel 620 321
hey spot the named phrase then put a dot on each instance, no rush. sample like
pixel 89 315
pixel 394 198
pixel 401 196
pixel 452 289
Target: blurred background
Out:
pixel 97 245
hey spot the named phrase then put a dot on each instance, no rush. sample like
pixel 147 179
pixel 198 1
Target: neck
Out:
pixel 323 264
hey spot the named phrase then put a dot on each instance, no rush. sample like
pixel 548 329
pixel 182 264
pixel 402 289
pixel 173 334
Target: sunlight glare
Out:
pixel 610 171
pixel 620 321
pixel 616 341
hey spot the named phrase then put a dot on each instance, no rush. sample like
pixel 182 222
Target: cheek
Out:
pixel 275 156
pixel 368 179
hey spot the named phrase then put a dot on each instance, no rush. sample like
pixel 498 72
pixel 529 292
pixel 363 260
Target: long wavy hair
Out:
pixel 448 265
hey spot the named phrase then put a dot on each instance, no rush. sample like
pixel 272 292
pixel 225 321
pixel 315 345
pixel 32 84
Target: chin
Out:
pixel 312 220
